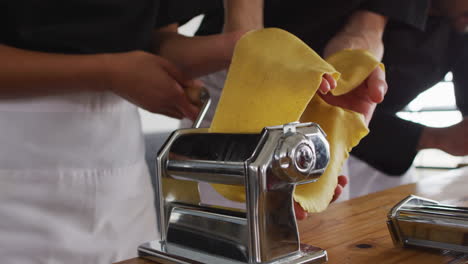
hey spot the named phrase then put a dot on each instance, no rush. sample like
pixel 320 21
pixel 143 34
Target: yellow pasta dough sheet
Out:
pixel 272 79
pixel 354 66
pixel 344 129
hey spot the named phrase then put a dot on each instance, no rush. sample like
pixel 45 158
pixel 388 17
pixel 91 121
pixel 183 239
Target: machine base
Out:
pixel 164 253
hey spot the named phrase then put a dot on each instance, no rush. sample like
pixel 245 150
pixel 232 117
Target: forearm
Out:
pixel 26 73
pixel 196 56
pixel 363 30
pixel 430 138
pixel 366 22
pixel 243 15
pixel 201 55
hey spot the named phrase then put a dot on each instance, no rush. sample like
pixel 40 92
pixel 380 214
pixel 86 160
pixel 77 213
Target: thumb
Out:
pixel 301 214
pixel 377 85
pixel 187 108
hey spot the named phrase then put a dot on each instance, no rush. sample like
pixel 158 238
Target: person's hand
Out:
pixel 452 139
pixel 365 97
pixel 328 83
pixel 364 31
pixel 362 99
pixel 152 83
pixel 301 214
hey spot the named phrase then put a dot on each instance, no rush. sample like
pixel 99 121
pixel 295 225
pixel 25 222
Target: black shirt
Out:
pixel 316 22
pixel 415 61
pixel 78 26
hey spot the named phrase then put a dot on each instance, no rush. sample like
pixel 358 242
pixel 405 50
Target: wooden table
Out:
pixel 355 231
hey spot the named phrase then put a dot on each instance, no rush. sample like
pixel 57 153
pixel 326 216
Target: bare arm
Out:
pixel 364 30
pixel 243 15
pixel 26 73
pixel 201 55
pixel 196 56
pixel 142 78
pixel 452 139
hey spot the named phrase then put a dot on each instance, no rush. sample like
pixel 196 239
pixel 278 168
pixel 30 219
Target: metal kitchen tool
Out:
pixel 267 166
pixel 421 222
pixel 205 100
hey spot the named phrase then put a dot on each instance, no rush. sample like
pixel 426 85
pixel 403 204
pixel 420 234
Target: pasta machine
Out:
pixel 266 165
pixel 425 223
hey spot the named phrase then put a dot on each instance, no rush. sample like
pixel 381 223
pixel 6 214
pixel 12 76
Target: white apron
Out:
pixel 74 186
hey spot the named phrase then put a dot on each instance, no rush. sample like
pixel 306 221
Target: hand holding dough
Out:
pixel 273 78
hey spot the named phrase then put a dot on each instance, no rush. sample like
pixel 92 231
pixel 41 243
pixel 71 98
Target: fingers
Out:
pixel 177 109
pixel 328 83
pixel 191 107
pixel 174 72
pixel 330 80
pixel 324 87
pixel 301 214
pixel 172 113
pixel 190 110
pixel 342 180
pixel 195 85
pixel 377 85
pixel 186 107
pixel 338 191
pixel 180 77
pixel 194 94
pixel 185 103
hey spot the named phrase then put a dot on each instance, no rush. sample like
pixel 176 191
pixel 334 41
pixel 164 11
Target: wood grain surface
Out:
pixel 355 231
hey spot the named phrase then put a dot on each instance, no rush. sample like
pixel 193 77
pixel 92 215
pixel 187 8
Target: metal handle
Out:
pixel 205 98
